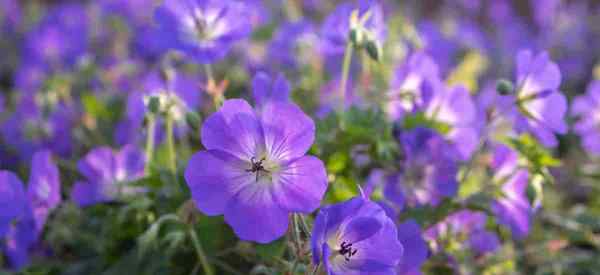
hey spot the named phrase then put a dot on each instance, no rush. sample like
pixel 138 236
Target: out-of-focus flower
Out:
pixel 203 29
pixel 356 237
pixel 293 45
pixel 412 86
pixel 362 24
pixel 31 208
pixel 455 108
pixel 587 108
pixel 415 247
pixel 428 173
pixel 181 94
pixel 467 225
pixel 12 200
pixel 107 175
pixel 40 121
pixel 541 106
pixel 43 190
pixel 254 170
pixel 60 38
pixel 418 88
pixel 513 209
pixel 265 89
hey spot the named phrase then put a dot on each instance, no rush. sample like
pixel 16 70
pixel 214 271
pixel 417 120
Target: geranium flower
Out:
pixel 355 237
pixel 428 173
pixel 587 107
pixel 254 170
pixel 107 173
pixel 23 218
pixel 541 106
pixel 203 29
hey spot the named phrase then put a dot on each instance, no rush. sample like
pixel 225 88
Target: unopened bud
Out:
pixel 504 87
pixel 373 49
pixel 193 119
pixel 154 104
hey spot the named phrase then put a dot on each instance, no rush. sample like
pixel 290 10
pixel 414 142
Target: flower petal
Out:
pixel 360 228
pixel 301 185
pixel 255 216
pixel 233 129
pixel 88 193
pixel 98 166
pixel 129 163
pixel 288 131
pixel 210 176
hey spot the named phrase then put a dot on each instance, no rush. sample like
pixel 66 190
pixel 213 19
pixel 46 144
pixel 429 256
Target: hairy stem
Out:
pixel 345 72
pixel 172 164
pixel 150 142
pixel 200 252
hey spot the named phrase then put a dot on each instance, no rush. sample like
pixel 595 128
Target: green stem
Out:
pixel 346 72
pixel 315 269
pixel 304 226
pixel 296 236
pixel 172 165
pixel 150 142
pixel 200 252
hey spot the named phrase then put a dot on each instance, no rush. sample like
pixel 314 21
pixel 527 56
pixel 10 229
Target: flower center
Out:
pixel 257 167
pixel 347 251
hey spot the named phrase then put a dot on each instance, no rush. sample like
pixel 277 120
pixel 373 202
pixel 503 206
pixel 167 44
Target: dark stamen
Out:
pixel 347 251
pixel 257 166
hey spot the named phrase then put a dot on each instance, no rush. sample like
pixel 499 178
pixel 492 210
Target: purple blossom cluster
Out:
pixel 364 137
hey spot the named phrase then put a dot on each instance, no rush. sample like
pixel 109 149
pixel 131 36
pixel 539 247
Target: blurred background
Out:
pixel 71 72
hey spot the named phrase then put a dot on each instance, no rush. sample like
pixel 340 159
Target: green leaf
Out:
pixel 337 162
pixel 95 107
pixel 271 250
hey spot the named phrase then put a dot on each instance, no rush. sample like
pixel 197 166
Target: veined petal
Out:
pixel 360 228
pixel 98 166
pixel 300 185
pixel 234 129
pixel 288 131
pixel 211 175
pixel 255 216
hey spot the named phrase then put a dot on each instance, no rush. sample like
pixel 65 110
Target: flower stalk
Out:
pixel 151 120
pixel 200 252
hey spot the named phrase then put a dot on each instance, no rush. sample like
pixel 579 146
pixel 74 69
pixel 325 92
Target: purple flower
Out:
pixel 254 170
pixel 469 225
pixel 513 209
pixel 336 28
pixel 60 38
pixel 412 85
pixel 27 212
pixel 181 95
pixel 107 173
pixel 39 123
pixel 13 201
pixel 417 88
pixel 287 49
pixel 544 11
pixel 541 105
pixel 428 173
pixel 203 29
pixel 356 237
pixel 43 189
pixel 455 107
pixel 587 108
pixel 417 251
pixel 265 89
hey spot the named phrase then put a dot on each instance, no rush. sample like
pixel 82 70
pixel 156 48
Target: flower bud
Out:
pixel 504 87
pixel 193 119
pixel 373 49
pixel 153 104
